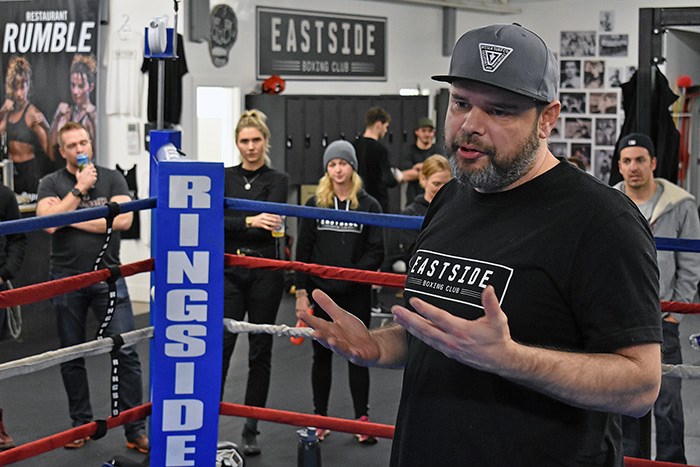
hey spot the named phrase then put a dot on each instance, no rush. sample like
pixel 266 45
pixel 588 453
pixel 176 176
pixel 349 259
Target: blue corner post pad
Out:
pixel 187 312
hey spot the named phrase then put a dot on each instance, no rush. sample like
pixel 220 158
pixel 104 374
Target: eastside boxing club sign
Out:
pixel 308 45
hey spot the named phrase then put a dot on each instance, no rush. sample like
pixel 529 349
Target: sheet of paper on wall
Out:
pixel 133 140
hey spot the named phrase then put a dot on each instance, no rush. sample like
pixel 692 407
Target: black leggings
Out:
pixel 359 304
pixel 257 293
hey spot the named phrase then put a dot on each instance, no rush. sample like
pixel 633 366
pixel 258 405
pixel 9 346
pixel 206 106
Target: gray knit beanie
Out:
pixel 340 149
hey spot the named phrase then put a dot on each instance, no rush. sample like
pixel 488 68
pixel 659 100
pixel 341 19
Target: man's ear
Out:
pixel 548 118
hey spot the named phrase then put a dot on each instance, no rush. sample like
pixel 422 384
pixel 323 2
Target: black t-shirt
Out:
pixel 175 69
pixel 374 169
pixel 75 250
pixel 573 264
pixel 411 156
pixel 266 184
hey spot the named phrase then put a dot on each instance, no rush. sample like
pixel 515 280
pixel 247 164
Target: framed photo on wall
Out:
pixel 593 74
pixel 613 45
pixel 577 44
pixel 606 21
pixel 615 77
pixel 602 163
pixel 559 148
pixel 578 128
pixel 570 74
pixel 602 103
pixel 605 131
pixel 583 152
pixel 573 102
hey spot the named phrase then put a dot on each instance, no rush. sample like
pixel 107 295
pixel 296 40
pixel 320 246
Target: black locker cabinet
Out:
pixel 305 125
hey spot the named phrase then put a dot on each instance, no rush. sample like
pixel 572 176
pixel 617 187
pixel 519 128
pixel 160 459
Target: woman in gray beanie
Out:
pixel 344 244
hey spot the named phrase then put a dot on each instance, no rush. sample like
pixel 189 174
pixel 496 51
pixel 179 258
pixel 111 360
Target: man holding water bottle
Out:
pixel 76 249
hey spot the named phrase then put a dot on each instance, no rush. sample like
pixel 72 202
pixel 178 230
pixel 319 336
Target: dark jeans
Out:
pixel 257 293
pixel 71 314
pixel 668 409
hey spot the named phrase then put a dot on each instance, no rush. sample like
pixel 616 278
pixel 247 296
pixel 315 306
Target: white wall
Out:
pixel 414 44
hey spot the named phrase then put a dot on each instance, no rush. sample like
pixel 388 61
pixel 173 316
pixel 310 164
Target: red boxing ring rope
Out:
pixel 327 272
pixel 299 419
pixel 45 290
pixel 41 446
pixel 58 440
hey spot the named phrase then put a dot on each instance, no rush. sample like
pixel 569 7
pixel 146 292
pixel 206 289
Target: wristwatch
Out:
pixel 77 193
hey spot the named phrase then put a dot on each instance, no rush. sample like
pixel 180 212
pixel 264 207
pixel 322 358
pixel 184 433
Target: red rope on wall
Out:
pixel 58 440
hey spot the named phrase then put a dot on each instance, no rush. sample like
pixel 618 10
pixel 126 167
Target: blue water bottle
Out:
pixel 308 452
pixel 695 341
pixel 83 160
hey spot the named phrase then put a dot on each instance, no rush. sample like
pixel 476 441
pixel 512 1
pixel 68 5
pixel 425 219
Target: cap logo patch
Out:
pixel 492 56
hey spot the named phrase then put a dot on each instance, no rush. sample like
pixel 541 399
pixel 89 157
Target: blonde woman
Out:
pixel 345 244
pixel 435 172
pixel 253 292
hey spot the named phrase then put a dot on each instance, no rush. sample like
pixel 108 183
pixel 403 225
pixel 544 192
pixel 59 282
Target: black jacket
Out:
pixel 663 131
pixel 343 244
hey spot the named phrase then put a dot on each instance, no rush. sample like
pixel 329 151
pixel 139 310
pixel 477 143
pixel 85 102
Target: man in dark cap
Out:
pixel 671 213
pixel 518 347
pixel 412 157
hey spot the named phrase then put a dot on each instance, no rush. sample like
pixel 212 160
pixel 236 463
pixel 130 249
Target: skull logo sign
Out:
pixel 224 30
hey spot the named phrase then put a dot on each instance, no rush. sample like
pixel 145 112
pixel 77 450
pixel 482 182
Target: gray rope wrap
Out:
pixel 52 358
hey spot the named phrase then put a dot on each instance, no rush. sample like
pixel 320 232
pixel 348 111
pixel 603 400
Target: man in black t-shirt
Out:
pixel 413 156
pixel 373 157
pixel 78 248
pixel 521 341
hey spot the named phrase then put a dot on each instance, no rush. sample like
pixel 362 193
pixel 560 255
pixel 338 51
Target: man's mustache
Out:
pixel 457 143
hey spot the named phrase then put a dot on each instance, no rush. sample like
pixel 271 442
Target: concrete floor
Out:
pixel 35 405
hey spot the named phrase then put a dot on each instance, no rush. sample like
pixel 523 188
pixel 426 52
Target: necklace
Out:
pixel 248 182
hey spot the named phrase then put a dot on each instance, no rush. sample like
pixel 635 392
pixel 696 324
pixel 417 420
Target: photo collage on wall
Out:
pixel 589 91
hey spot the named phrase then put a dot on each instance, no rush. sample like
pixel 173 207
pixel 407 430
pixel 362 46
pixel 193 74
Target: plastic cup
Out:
pixel 279 232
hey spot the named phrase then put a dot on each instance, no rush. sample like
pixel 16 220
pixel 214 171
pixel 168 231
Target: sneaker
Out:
pixel 77 443
pixel 140 444
pixel 321 433
pixel 365 439
pixel 6 441
pixel 250 443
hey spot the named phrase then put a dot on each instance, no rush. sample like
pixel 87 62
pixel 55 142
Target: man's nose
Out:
pixel 473 121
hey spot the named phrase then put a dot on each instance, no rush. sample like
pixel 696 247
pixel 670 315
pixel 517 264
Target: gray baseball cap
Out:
pixel 507 56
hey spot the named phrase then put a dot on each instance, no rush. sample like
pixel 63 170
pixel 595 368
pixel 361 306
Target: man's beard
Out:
pixel 503 169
